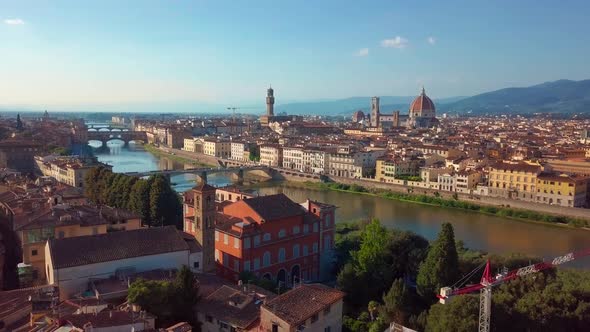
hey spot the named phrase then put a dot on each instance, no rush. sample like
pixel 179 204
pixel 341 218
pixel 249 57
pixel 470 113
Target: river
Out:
pixel 477 231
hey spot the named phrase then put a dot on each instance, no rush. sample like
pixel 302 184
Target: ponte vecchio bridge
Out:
pixel 125 136
pixel 202 172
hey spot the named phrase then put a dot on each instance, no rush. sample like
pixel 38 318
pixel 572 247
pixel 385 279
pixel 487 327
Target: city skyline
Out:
pixel 68 55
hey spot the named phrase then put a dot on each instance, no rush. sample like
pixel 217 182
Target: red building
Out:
pixel 271 236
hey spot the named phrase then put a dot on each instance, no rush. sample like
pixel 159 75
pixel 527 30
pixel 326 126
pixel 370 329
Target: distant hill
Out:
pixel 348 105
pixel 562 96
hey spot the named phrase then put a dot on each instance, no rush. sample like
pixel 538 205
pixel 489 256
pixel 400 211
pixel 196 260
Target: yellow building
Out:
pixel 217 148
pixel 387 169
pixel 514 180
pixel 64 221
pixel 562 190
pixel 68 170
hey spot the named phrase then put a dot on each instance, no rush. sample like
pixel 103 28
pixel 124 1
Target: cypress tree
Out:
pixel 19 123
pixel 139 200
pixel 440 269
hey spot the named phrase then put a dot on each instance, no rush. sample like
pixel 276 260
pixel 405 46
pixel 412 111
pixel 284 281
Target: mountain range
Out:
pixel 562 96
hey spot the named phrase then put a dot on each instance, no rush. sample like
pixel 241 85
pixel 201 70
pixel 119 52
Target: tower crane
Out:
pixel 488 281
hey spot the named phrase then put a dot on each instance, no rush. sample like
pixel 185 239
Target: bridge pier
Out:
pixel 202 177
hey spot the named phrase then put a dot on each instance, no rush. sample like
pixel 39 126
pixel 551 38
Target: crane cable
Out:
pixel 467 276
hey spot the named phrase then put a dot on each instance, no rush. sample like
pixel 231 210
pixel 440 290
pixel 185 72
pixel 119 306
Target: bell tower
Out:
pixel 204 223
pixel 270 101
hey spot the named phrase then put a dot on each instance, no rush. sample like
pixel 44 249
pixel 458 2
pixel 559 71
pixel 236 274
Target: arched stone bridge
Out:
pixel 201 173
pixel 111 127
pixel 125 136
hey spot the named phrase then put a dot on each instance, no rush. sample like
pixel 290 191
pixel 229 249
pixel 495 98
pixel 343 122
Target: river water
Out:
pixel 478 231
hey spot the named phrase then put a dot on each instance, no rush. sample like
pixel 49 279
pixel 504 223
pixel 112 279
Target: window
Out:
pixel 327 310
pixel 328 220
pixel 216 255
pixel 61 235
pixel 327 329
pixel 275 327
pixel 247 243
pixel 282 233
pixel 236 265
pixel 296 251
pixel 282 255
pixel 225 239
pixel 256 263
pixel 315 227
pixel 305 229
pixel 34 252
pixel 247 266
pixel 216 236
pixel 305 250
pixel 314 318
pixel 315 247
pixel 266 259
pixel 296 229
pixel 327 242
pixel 196 265
pixel 266 237
pixel 209 319
pixel 256 241
pixel 225 259
pixel 236 243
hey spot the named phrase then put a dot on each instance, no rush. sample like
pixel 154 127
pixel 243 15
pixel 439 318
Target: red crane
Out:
pixel 488 281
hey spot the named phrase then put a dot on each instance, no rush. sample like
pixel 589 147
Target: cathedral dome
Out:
pixel 421 103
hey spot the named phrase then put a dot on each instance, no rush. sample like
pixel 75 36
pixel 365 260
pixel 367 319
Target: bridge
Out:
pixel 125 136
pixel 201 173
pixel 111 127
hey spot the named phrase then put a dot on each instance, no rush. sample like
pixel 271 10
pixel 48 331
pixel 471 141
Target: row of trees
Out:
pixel 378 268
pixel 154 199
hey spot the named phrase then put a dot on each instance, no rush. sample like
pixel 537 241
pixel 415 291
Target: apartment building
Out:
pixel 271 155
pixel 562 190
pixel 67 170
pixel 217 148
pixel 514 180
pixel 293 158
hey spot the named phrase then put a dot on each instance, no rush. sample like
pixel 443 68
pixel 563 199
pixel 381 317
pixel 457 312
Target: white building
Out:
pixel 72 262
pixel 293 158
pixel 315 161
pixel 69 170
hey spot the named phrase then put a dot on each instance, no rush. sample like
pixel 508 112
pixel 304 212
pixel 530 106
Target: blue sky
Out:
pixel 112 53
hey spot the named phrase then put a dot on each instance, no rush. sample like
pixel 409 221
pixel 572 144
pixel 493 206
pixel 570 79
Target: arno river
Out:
pixel 478 231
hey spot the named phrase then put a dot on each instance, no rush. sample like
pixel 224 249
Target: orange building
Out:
pixel 270 236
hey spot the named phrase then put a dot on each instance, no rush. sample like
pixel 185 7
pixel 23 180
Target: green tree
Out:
pixel 372 308
pixel 355 285
pixel 139 200
pixel 459 315
pixel 396 303
pixel 19 123
pixel 186 288
pixel 153 296
pixel 165 206
pixel 440 269
pixel 373 239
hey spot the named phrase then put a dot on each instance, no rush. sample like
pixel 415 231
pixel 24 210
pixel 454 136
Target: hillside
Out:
pixel 562 96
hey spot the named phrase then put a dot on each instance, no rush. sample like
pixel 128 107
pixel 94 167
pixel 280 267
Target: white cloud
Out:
pixel 397 42
pixel 431 40
pixel 362 52
pixel 14 21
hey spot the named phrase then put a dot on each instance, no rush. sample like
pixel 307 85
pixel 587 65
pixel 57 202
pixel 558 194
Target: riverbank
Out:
pixel 504 212
pixel 181 159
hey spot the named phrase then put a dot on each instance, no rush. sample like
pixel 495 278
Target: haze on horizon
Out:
pixel 70 54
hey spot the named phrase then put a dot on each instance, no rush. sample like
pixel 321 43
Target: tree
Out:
pixel 372 307
pixel 440 269
pixel 373 239
pixel 152 296
pixel 396 303
pixel 165 206
pixel 186 288
pixel 460 314
pixel 19 123
pixel 355 285
pixel 139 200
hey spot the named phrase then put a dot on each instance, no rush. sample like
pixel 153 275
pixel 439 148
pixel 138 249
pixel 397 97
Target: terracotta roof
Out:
pixel 202 186
pixel 234 306
pixel 422 102
pixel 103 319
pixel 83 250
pixel 299 304
pixel 273 207
pixel 519 167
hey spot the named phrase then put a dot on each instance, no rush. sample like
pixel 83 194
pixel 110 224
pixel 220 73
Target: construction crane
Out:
pixel 488 281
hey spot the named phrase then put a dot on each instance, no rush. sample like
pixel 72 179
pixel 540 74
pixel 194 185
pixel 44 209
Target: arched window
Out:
pixel 295 251
pixel 266 259
pixel 282 254
pixel 266 237
pixel 282 233
pixel 296 229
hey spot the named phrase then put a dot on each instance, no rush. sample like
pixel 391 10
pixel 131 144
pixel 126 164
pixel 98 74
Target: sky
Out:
pixel 118 54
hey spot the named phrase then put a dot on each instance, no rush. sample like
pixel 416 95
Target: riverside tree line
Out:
pixel 154 199
pixel 394 276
